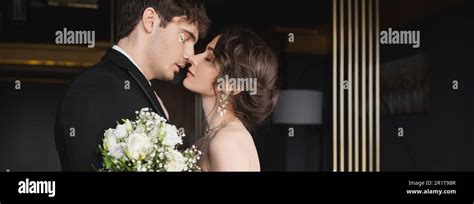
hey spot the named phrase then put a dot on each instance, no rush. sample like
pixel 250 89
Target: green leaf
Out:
pixel 107 162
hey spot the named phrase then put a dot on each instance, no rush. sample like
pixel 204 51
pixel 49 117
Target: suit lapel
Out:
pixel 125 63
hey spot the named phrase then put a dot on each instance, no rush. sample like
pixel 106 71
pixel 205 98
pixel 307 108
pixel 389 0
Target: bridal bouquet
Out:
pixel 147 144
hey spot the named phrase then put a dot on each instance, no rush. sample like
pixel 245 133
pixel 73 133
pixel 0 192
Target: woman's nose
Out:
pixel 193 61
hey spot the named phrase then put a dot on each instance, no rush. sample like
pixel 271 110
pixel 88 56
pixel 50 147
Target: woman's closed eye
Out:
pixel 209 54
pixel 209 57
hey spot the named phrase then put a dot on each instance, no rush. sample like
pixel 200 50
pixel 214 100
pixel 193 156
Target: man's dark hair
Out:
pixel 131 11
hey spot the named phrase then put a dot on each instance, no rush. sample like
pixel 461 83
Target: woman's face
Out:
pixel 203 71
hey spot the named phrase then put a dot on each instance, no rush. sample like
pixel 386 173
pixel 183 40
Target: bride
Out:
pixel 232 111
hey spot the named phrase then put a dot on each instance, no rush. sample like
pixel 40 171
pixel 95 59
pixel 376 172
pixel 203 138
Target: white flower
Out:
pixel 159 119
pixel 139 146
pixel 153 134
pixel 140 128
pixel 171 137
pixel 121 131
pixel 147 143
pixel 129 125
pixel 176 161
pixel 109 139
pixel 116 151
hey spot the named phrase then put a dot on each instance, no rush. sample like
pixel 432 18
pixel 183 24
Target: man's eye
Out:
pixel 207 59
pixel 182 38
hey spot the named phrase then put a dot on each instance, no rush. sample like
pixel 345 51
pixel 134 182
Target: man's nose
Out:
pixel 188 54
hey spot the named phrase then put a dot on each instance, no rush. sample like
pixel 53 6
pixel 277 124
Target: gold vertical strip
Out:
pixel 371 92
pixel 349 79
pixel 334 85
pixel 356 87
pixel 377 87
pixel 341 89
pixel 364 113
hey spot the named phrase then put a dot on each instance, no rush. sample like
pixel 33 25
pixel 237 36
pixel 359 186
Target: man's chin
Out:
pixel 166 77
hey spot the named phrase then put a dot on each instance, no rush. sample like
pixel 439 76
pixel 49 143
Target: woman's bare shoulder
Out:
pixel 232 136
pixel 228 149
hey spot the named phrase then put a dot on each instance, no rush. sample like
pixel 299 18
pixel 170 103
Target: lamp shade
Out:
pixel 302 107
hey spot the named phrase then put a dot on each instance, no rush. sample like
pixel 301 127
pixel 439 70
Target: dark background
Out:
pixel 440 139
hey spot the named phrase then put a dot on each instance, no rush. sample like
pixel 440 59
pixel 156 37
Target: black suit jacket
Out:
pixel 110 91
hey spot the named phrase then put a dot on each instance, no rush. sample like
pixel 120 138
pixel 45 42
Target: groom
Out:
pixel 156 39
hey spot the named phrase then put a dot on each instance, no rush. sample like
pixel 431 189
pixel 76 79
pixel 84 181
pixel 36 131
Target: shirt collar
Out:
pixel 116 47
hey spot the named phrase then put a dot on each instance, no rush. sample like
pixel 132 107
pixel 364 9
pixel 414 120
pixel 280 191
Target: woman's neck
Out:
pixel 213 118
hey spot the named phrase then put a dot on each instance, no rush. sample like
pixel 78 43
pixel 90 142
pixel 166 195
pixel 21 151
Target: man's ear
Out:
pixel 150 19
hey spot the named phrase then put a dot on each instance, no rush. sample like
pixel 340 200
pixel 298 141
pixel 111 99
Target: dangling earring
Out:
pixel 223 100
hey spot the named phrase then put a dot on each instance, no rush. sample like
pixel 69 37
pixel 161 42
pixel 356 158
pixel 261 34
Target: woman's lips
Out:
pixel 190 73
